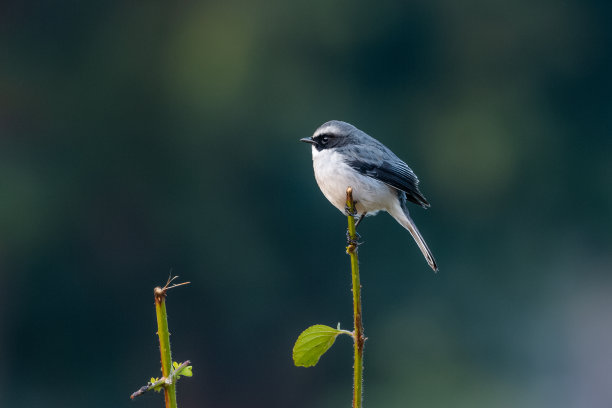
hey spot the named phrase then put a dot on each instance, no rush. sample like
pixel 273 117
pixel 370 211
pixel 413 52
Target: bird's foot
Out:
pixel 348 211
pixel 350 241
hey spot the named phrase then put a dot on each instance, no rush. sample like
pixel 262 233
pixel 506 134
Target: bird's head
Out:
pixel 330 135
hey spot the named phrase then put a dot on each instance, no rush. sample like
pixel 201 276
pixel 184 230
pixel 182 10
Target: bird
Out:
pixel 344 156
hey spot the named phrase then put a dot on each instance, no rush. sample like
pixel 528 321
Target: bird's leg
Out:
pixel 360 218
pixel 353 213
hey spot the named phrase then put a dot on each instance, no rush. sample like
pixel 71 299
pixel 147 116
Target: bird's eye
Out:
pixel 324 139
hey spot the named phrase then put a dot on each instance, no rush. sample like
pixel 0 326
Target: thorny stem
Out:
pixel 164 340
pixel 169 376
pixel 358 336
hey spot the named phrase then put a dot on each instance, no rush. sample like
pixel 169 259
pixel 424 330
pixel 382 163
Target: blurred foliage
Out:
pixel 136 137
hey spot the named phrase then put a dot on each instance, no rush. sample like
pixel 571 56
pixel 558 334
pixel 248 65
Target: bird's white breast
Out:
pixel 333 176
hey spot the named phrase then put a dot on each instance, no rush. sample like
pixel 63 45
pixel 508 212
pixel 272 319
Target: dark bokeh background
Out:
pixel 143 137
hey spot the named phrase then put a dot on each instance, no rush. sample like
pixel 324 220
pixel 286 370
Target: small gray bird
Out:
pixel 344 156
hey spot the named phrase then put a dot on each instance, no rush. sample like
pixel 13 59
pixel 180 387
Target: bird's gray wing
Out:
pixel 380 163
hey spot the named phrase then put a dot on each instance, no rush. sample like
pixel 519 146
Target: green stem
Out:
pixel 164 345
pixel 358 337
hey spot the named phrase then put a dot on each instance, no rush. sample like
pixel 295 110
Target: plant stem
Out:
pixel 358 336
pixel 164 344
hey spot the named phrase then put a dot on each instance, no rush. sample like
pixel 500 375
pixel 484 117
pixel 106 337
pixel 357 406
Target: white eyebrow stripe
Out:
pixel 327 129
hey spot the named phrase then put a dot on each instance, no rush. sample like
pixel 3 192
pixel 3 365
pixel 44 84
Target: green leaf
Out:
pixel 313 343
pixel 186 371
pixel 159 387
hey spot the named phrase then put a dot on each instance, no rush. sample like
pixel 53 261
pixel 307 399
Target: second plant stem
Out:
pixel 358 336
pixel 164 345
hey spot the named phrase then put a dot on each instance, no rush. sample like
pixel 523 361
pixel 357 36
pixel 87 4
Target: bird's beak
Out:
pixel 307 140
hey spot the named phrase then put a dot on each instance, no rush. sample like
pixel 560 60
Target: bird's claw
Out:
pixel 350 241
pixel 350 212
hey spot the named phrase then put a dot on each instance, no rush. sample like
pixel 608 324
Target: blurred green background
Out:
pixel 138 138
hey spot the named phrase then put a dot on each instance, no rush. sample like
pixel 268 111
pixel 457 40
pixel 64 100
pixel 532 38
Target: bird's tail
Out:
pixel 401 215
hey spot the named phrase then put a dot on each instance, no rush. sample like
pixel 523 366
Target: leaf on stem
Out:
pixel 313 343
pixel 186 371
pixel 158 387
